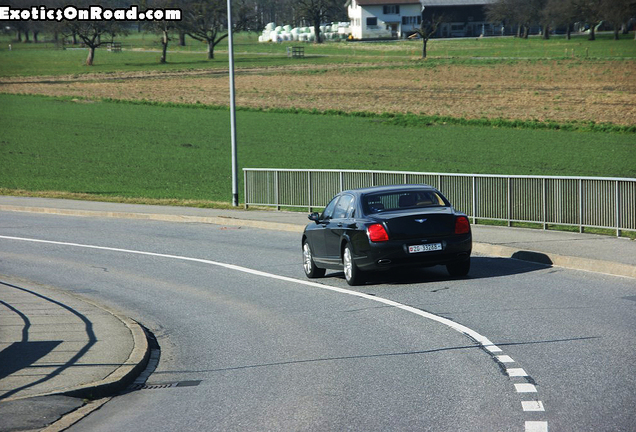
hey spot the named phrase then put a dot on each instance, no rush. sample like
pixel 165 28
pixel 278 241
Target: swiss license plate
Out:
pixel 425 247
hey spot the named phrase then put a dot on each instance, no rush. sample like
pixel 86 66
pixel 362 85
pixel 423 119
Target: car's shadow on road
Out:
pixel 480 268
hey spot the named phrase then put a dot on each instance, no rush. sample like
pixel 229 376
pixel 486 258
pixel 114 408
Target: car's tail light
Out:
pixel 377 233
pixel 462 225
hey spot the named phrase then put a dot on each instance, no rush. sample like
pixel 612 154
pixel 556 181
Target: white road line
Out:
pixel 536 426
pixel 480 339
pixel 525 388
pixel 516 372
pixel 505 359
pixel 532 406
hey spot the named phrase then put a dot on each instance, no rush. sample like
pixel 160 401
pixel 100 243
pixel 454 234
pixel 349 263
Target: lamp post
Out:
pixel 235 197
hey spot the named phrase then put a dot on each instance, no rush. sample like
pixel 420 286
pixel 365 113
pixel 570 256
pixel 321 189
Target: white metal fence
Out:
pixel 578 201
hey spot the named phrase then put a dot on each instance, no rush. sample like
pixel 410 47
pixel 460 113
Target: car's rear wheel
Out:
pixel 309 265
pixel 459 268
pixel 353 275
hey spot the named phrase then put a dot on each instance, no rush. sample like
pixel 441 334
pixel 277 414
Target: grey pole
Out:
pixel 235 197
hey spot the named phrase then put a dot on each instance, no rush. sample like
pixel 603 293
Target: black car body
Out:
pixel 385 227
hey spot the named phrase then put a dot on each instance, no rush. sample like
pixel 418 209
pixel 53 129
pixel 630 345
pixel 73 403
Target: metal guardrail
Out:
pixel 586 202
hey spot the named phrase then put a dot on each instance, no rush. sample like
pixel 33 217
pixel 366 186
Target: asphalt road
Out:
pixel 265 353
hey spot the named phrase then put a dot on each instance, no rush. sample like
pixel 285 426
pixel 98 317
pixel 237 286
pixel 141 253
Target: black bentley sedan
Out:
pixel 384 227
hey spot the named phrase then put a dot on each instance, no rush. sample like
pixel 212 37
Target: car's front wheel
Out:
pixel 353 275
pixel 309 265
pixel 459 268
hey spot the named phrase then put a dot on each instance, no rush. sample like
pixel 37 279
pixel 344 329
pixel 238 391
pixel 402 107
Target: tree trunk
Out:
pixel 317 31
pixel 26 36
pixel 592 34
pixel 210 50
pixel 164 42
pixel 546 32
pixel 568 33
pixel 91 56
pixel 616 30
pixel 526 31
pixel 182 36
pixel 425 41
pixel 74 38
pixel 18 36
pixel 35 36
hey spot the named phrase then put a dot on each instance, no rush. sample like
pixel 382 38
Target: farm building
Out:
pixel 372 19
pixel 461 18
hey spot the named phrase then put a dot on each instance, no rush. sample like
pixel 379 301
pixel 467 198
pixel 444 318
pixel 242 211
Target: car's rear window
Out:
pixel 391 201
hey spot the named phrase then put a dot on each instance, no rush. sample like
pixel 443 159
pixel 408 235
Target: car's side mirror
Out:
pixel 314 217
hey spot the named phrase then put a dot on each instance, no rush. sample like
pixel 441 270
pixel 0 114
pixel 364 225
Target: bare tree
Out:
pixel 319 11
pixel 206 21
pixel 93 33
pixel 163 27
pixel 427 29
pixel 560 13
pixel 617 13
pixel 590 11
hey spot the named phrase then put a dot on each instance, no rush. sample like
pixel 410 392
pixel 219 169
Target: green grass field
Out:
pixel 46 59
pixel 152 151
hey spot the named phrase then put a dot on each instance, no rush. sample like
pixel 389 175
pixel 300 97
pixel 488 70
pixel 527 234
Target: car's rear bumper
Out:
pixel 391 254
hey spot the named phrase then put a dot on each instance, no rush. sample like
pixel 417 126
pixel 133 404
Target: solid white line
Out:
pixel 536 426
pixel 532 406
pixel 480 339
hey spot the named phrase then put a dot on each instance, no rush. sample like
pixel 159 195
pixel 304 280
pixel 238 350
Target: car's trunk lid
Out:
pixel 418 223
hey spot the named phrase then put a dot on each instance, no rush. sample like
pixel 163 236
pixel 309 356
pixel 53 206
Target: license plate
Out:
pixel 425 248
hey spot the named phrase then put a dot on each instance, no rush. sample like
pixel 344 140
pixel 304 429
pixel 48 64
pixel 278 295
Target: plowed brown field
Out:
pixel 558 91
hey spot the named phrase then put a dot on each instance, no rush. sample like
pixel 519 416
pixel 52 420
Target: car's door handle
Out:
pixel 352 225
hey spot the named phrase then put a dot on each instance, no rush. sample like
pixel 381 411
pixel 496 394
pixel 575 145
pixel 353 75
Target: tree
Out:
pixel 319 11
pixel 590 11
pixel 163 27
pixel 523 13
pixel 617 13
pixel 560 13
pixel 93 33
pixel 206 21
pixel 428 28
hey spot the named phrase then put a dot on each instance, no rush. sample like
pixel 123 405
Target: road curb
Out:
pixel 215 220
pixel 574 263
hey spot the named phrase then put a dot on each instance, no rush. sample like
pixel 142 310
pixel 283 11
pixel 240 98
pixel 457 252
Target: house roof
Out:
pixel 386 2
pixel 426 3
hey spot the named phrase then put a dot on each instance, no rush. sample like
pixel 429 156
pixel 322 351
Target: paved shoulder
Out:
pixel 54 343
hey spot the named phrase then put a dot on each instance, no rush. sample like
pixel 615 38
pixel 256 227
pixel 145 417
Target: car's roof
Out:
pixel 391 188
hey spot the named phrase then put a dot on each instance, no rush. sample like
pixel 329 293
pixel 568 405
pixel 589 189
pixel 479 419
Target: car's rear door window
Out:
pixel 391 201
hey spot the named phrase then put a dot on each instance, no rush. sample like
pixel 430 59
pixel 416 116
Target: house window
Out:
pixel 372 21
pixel 413 20
pixel 391 10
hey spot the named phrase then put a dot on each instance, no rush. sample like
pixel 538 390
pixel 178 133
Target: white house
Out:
pixel 372 19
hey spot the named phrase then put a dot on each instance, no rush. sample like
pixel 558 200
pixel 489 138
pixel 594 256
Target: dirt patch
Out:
pixel 563 91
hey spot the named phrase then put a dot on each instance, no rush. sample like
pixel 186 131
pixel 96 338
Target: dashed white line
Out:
pixel 516 372
pixel 536 426
pixel 505 359
pixel 525 388
pixel 532 406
